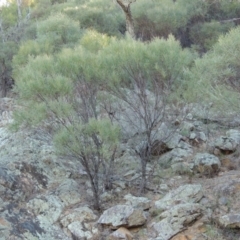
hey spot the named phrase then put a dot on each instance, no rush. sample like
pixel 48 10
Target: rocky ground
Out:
pixel 192 194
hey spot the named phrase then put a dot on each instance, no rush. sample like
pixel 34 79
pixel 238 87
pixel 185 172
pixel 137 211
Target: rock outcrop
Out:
pixel 122 215
pixel 184 194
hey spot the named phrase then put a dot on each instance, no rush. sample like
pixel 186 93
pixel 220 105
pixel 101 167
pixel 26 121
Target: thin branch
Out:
pixel 229 20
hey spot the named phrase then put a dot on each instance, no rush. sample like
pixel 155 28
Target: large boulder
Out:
pixel 190 193
pixel 206 164
pixel 122 215
pixel 226 144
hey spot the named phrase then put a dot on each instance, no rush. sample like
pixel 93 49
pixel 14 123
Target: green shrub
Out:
pixel 230 9
pixel 161 18
pixel 95 41
pixel 103 16
pixel 9 16
pixel 215 76
pixel 223 9
pixel 59 31
pixel 205 35
pixel 61 90
pixel 30 48
pixel 41 9
pixel 163 59
pixel 52 35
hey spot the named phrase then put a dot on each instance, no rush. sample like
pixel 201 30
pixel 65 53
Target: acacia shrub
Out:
pixel 94 41
pixel 102 16
pixel 42 9
pixel 223 9
pixel 8 16
pixel 205 35
pixel 215 76
pixel 62 91
pixel 161 58
pixel 52 34
pixel 28 49
pixel 161 18
pixel 59 30
pixel 142 76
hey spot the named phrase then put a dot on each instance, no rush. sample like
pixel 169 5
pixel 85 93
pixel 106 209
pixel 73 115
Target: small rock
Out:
pixel 78 215
pixel 223 201
pixel 78 231
pixel 181 168
pixel 121 234
pixel 106 196
pixel 189 116
pixel 164 187
pixel 129 173
pixel 186 128
pixel 120 184
pixel 202 136
pixel 234 134
pixel 68 192
pixel 230 221
pixel 193 135
pixel 118 190
pixel 137 202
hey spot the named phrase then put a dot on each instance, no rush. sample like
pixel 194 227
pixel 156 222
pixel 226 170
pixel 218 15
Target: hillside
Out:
pixel 119 119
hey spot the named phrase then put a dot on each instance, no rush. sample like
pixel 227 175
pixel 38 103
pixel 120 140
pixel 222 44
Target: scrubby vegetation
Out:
pixel 70 61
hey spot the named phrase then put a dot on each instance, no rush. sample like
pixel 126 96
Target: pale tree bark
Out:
pixel 19 3
pixel 125 5
pixel 1 31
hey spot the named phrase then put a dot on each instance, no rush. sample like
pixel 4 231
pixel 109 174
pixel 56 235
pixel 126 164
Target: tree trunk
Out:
pixel 3 80
pixel 95 190
pixel 144 180
pixel 144 155
pixel 94 181
pixel 96 199
pixel 125 5
pixel 108 171
pixel 2 36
